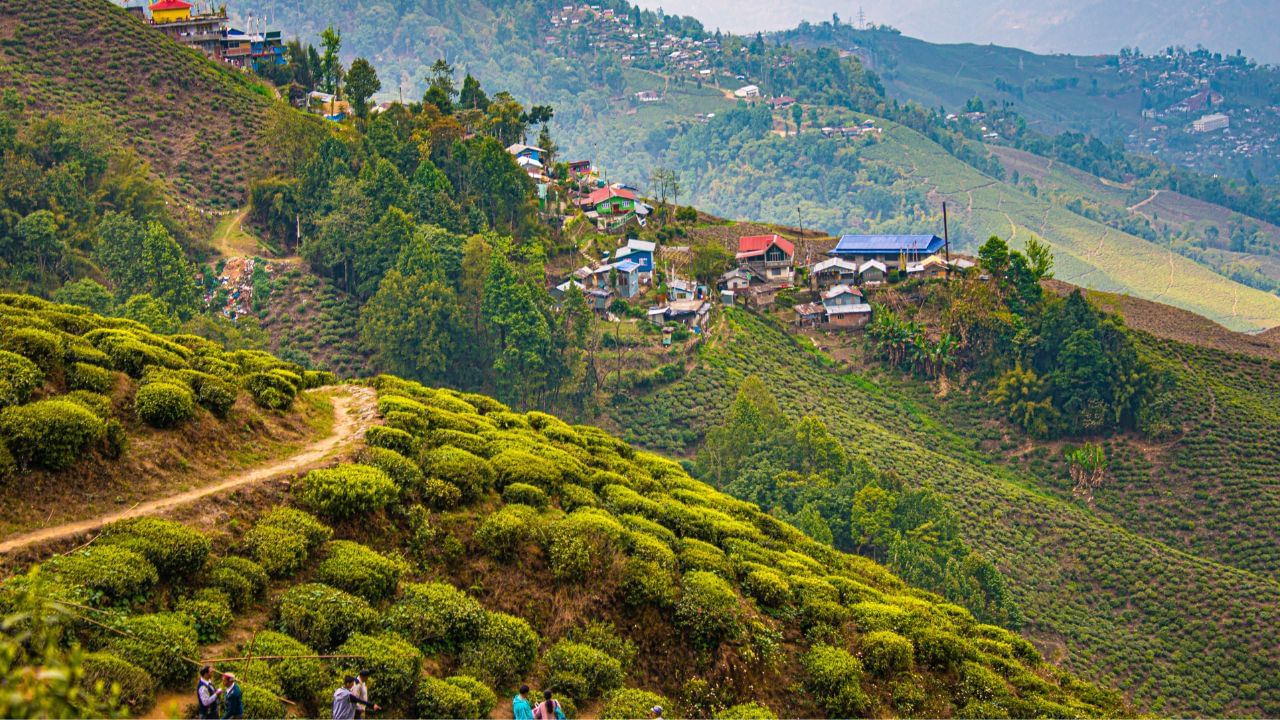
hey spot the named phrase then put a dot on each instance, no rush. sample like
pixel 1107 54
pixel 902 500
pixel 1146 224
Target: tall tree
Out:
pixel 330 65
pixel 362 83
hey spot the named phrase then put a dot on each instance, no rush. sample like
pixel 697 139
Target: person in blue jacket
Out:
pixel 520 708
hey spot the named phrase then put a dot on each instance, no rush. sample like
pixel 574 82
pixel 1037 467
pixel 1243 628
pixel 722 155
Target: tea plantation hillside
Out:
pixel 1152 605
pixel 97 412
pixel 201 126
pixel 469 548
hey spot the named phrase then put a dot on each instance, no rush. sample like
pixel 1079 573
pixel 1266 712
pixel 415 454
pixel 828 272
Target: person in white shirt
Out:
pixel 206 695
pixel 361 690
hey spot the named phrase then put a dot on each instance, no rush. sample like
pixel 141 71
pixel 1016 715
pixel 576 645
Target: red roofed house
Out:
pixel 768 256
pixel 170 10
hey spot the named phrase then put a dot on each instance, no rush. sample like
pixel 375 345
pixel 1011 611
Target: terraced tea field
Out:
pixel 1182 633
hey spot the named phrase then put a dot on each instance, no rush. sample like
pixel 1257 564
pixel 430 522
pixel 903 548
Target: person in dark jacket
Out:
pixel 232 698
pixel 206 695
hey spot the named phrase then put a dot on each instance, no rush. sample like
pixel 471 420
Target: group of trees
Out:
pixel 804 474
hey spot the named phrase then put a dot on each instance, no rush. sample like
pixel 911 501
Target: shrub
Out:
pixel 698 555
pixel 502 532
pixel 582 671
pixel 768 587
pixel 312 379
pixel 137 689
pixel 707 609
pixel 586 540
pixel 212 615
pixel 216 395
pixel 834 677
pixel 484 698
pixel 114 440
pixel 116 573
pixel 885 652
pixel 19 377
pixel 158 643
pixel 940 649
pixel 49 434
pixel 242 579
pixel 517 466
pixel 651 548
pixel 270 391
pixel 504 651
pixel 164 405
pixel 747 711
pixel 645 582
pixel 401 469
pixel 261 701
pixel 175 549
pixel 322 616
pixel 872 616
pixel 630 703
pixel 381 436
pixel 573 497
pixel 360 570
pixel 440 494
pixel 8 466
pixel 437 698
pixel 394 662
pixel 435 616
pixel 347 490
pixel 471 474
pixel 314 532
pixel 524 495
pixel 978 683
pixel 42 347
pixel 96 403
pixel 301 678
pixel 280 552
pixel 470 442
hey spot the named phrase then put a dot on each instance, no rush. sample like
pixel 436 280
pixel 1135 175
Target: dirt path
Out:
pixel 1135 208
pixel 353 410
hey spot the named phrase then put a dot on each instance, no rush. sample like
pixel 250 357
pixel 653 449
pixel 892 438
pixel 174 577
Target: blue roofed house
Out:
pixel 639 251
pixel 891 250
pixel 520 150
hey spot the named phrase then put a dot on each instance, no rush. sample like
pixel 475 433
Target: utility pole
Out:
pixel 800 219
pixel 946 239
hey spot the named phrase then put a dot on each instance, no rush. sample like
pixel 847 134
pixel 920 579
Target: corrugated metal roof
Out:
pixel 887 244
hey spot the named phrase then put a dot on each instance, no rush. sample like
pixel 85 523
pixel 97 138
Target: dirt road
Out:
pixel 353 410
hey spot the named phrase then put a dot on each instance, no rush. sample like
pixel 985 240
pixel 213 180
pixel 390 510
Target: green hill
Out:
pixel 201 126
pixel 466 549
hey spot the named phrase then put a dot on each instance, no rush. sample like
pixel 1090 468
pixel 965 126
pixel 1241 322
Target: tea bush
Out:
pixel 631 703
pixel 769 588
pixel 381 436
pixel 573 497
pixel 646 583
pixel 582 542
pixel 885 652
pixel 347 490
pixel 504 531
pixel 834 677
pixel 42 347
pixel 437 698
pixel 516 466
pixel 116 573
pixel 979 683
pixel 471 474
pixel 279 552
pixel 394 662
pixel 211 612
pixel 164 405
pixel 481 696
pixel 49 434
pixel 360 570
pixel 524 495
pixel 270 391
pixel 313 532
pixel 158 643
pixel 322 616
pixel 242 579
pixel 137 689
pixel 19 377
pixel 582 671
pixel 708 608
pixel 173 548
pixel 301 678
pixel 440 494
pixel 399 468
pixel 96 403
pixel 435 616
pixel 504 651
pixel 746 711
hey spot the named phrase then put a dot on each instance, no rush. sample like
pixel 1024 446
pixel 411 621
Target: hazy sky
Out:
pixel 1075 26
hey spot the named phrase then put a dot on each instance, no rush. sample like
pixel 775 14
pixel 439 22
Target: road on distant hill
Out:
pixel 354 408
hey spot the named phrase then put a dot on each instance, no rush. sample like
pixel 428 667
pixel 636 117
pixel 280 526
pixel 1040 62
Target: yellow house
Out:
pixel 170 10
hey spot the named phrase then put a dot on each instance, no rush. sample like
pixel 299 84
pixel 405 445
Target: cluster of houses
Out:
pixel 610 207
pixel 237 280
pixel 208 31
pixel 766 264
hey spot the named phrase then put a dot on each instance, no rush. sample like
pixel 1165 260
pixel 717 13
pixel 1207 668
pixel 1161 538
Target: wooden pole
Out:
pixel 946 240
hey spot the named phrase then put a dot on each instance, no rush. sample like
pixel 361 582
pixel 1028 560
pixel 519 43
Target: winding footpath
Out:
pixel 354 408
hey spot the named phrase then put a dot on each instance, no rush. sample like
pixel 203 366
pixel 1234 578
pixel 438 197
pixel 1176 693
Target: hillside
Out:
pixel 90 58
pixel 623 558
pixel 1177 630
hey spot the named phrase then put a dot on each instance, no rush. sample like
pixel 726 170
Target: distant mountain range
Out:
pixel 1046 26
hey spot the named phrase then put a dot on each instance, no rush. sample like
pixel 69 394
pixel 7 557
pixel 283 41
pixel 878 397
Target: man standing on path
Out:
pixel 361 690
pixel 207 695
pixel 344 702
pixel 520 708
pixel 233 698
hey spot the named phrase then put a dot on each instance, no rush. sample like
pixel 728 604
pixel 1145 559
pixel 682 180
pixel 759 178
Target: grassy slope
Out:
pixel 1181 632
pixel 200 125
pixel 1087 253
pixel 309 316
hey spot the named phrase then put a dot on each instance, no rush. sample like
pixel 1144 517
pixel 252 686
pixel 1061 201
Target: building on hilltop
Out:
pixel 768 256
pixel 891 251
pixel 210 33
pixel 640 251
pixel 1209 123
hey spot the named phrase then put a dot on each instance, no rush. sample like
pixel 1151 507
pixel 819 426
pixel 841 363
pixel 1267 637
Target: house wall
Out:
pixel 848 321
pixel 164 16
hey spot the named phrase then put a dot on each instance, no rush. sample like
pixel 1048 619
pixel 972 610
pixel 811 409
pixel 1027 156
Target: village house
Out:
pixel 610 207
pixel 831 272
pixel 580 168
pixel 678 289
pixel 782 103
pixel 520 150
pixel 810 314
pixel 845 307
pixel 889 251
pixel 599 299
pixel 626 278
pixel 641 251
pixel 747 91
pixel 872 272
pixel 769 257
pixel 736 279
pixel 760 297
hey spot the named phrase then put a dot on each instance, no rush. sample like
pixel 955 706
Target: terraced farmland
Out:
pixel 1181 632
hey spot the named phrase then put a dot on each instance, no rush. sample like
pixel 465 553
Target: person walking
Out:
pixel 361 690
pixel 656 712
pixel 344 701
pixel 520 708
pixel 207 695
pixel 233 698
pixel 549 708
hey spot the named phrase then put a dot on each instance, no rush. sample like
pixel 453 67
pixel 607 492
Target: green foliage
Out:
pixel 525 495
pixel 886 653
pixel 438 698
pixel 645 582
pixel 471 474
pixel 482 697
pixel 399 468
pixel 42 347
pixel 83 376
pixel 835 679
pixel 164 405
pixel 505 649
pixel 270 390
pixel 160 644
pixel 116 573
pixel 242 579
pixel 581 671
pixel 49 434
pixel 708 609
pixel 301 678
pixel 314 532
pixel 261 701
pixel 747 711
pixel 769 588
pixel 173 548
pixel 19 377
pixel 137 689
pixel 279 552
pixel 395 663
pixel 347 490
pixel 381 436
pixel 360 570
pixel 435 616
pixel 583 543
pixel 322 616
pixel 211 612
pixel 630 703
pixel 979 683
pixel 504 531
pixel 515 466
